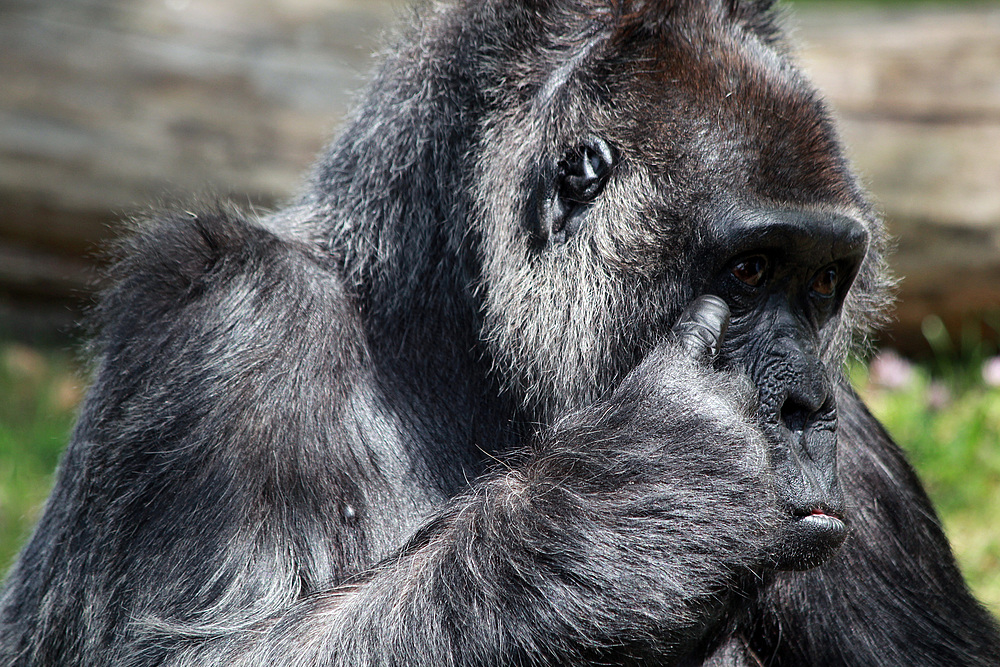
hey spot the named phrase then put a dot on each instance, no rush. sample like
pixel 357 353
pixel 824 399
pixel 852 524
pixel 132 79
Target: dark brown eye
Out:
pixel 750 271
pixel 825 283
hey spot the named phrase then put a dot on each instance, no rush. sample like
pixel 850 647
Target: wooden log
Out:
pixel 110 106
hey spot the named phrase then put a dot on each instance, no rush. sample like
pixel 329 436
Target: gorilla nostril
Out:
pixel 795 415
pixel 804 405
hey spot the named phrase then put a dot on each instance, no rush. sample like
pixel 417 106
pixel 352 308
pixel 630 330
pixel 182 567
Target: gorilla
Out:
pixel 543 367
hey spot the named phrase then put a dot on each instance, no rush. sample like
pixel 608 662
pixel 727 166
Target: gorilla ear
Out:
pixel 569 186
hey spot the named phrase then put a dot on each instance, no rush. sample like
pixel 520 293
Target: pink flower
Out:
pixel 991 372
pixel 890 370
pixel 938 396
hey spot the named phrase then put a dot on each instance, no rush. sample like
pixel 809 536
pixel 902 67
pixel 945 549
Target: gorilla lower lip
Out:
pixel 811 539
pixel 823 521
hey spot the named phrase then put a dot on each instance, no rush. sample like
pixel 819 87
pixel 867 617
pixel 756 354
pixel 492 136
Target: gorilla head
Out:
pixel 669 153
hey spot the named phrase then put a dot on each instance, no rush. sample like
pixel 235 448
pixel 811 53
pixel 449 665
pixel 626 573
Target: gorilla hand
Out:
pixel 671 461
pixel 811 533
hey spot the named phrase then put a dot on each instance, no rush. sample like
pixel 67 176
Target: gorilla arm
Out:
pixel 893 595
pixel 583 552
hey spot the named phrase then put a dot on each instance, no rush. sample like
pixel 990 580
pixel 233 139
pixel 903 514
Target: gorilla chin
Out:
pixel 809 541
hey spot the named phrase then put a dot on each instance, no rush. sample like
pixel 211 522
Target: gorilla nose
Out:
pixel 801 418
pixel 798 391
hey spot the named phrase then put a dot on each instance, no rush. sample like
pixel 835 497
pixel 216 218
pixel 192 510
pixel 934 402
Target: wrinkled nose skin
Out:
pixel 799 417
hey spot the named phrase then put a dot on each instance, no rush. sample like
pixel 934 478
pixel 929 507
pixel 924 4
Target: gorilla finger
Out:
pixel 702 327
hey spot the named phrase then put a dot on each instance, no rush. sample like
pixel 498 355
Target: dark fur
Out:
pixel 385 426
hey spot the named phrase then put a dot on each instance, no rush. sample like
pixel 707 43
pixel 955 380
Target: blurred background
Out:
pixel 110 106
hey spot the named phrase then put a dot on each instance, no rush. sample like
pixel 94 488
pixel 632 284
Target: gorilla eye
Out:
pixel 750 271
pixel 825 283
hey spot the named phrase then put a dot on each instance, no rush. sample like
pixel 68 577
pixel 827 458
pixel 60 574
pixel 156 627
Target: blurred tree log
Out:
pixel 109 107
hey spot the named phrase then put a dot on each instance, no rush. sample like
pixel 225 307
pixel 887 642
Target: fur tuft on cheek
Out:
pixel 554 327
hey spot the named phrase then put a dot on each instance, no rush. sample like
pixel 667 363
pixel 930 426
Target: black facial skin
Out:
pixel 783 276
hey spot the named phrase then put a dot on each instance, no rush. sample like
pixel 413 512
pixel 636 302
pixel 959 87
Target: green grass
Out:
pixel 901 4
pixel 951 429
pixel 39 393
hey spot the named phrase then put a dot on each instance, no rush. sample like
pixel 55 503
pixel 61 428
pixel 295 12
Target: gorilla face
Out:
pixel 784 275
pixel 707 165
